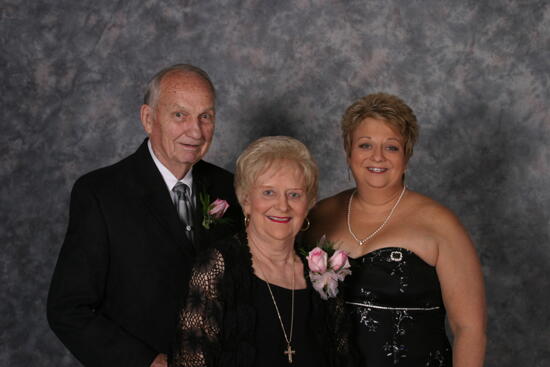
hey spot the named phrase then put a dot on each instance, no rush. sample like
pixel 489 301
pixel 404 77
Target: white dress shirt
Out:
pixel 169 179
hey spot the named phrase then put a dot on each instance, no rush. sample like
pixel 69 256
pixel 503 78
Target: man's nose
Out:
pixel 193 128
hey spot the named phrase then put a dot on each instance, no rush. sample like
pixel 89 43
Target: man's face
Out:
pixel 180 124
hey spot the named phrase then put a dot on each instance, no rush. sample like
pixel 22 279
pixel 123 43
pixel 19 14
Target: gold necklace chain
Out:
pixel 364 240
pixel 289 351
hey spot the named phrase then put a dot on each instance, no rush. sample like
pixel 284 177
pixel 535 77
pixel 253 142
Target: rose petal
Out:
pixel 317 260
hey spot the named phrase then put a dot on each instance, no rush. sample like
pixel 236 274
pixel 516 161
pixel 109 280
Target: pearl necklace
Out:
pixel 289 351
pixel 364 240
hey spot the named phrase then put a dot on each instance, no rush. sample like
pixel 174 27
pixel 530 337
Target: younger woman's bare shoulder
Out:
pixel 427 210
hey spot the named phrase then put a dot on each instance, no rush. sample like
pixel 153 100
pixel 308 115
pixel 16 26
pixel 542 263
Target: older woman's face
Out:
pixel 377 155
pixel 277 203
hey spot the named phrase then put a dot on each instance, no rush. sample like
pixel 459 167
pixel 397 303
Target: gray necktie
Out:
pixel 184 207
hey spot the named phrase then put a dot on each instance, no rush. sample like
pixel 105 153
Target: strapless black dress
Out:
pixel 398 313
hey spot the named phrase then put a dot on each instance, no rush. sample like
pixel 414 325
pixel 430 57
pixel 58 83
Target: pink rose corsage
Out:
pixel 212 212
pixel 325 272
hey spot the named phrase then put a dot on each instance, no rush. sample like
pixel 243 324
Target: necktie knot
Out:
pixel 181 190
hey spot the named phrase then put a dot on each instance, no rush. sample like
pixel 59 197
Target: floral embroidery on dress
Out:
pixel 364 313
pixel 364 318
pixel 398 270
pixel 436 359
pixel 387 324
pixel 395 349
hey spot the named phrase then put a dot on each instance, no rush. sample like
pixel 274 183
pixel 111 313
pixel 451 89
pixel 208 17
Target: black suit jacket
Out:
pixel 125 262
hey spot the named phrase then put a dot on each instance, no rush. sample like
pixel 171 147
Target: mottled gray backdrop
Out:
pixel 475 72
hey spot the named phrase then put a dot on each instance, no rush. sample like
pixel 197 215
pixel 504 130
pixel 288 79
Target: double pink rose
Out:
pixel 317 260
pixel 218 208
pixel 324 274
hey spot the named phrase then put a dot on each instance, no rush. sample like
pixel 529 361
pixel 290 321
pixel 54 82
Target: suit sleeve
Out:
pixel 77 291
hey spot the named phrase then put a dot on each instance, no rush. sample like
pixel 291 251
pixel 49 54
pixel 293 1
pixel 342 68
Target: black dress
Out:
pixel 397 310
pixel 228 318
pixel 270 342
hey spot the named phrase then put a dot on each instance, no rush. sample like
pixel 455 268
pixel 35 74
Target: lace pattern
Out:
pixel 217 323
pixel 199 330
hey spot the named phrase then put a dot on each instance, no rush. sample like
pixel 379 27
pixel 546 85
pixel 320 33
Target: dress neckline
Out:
pixel 391 248
pixel 278 286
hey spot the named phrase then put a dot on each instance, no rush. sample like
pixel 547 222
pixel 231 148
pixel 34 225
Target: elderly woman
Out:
pixel 414 260
pixel 249 303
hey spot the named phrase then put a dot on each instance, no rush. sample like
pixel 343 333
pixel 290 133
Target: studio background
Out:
pixel 475 72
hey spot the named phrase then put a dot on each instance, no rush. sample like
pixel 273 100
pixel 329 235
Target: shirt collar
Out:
pixel 169 179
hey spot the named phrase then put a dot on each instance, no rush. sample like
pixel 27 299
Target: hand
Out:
pixel 160 361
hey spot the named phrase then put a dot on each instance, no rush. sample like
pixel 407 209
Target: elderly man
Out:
pixel 135 228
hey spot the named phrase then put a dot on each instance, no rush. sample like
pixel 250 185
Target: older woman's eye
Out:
pixel 393 148
pixel 365 145
pixel 268 192
pixel 295 195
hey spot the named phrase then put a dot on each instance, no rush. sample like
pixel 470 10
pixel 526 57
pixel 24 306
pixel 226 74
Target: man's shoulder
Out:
pixel 103 173
pixel 106 176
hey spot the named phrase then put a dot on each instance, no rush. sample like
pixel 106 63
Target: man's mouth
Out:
pixel 190 146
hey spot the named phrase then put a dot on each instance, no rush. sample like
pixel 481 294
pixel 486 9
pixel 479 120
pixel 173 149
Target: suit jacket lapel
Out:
pixel 157 198
pixel 201 186
pixel 206 181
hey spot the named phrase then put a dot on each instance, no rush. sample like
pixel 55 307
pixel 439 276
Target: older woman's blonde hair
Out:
pixel 386 107
pixel 259 156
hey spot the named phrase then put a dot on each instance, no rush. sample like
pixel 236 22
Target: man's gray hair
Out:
pixel 153 87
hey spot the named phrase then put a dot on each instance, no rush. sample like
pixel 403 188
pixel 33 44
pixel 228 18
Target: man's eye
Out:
pixel 268 192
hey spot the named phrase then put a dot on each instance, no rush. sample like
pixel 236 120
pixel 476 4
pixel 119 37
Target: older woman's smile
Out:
pixel 279 219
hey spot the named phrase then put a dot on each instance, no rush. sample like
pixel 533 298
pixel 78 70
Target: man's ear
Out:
pixel 146 114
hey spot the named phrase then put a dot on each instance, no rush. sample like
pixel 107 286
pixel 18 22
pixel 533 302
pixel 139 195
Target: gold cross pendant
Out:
pixel 289 352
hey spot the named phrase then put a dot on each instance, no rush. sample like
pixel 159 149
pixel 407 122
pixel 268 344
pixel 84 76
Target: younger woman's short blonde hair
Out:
pixel 386 107
pixel 263 152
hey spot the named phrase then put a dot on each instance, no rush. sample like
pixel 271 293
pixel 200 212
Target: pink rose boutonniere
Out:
pixel 325 272
pixel 212 212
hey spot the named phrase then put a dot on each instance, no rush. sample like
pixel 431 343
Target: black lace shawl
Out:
pixel 216 324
